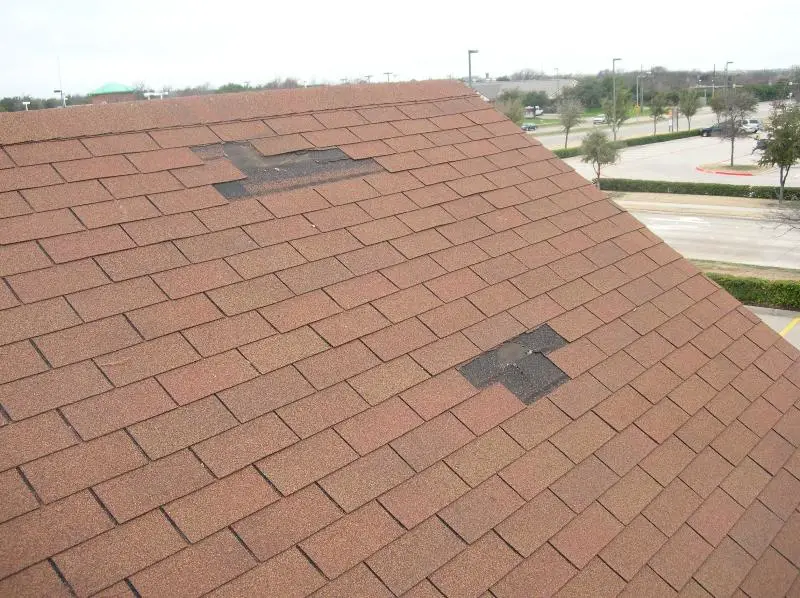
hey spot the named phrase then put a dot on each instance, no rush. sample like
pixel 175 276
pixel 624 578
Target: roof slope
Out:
pixel 260 396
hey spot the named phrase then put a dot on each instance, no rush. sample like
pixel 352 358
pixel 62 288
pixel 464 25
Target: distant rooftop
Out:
pixel 112 88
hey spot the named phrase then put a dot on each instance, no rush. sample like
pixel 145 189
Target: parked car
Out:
pixel 528 127
pixel 600 119
pixel 720 130
pixel 751 125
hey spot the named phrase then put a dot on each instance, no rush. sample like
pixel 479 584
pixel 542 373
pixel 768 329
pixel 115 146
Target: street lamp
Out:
pixel 726 73
pixel 61 91
pixel 558 83
pixel 388 75
pixel 469 64
pixel 614 95
pixel 26 104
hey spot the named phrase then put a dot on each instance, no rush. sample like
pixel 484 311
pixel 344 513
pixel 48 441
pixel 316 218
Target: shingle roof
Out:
pixel 268 396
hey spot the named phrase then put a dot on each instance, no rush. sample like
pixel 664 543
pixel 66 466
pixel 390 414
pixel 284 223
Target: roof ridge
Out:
pixel 125 117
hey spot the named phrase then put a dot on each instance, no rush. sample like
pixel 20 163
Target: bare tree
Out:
pixel 688 103
pixel 717 104
pixel 570 113
pixel 599 150
pixel 783 141
pixel 738 104
pixel 658 107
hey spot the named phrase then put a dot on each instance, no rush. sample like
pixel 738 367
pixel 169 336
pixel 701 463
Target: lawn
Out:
pixel 542 122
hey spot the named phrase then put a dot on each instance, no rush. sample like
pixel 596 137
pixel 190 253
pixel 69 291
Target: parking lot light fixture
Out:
pixel 469 65
pixel 726 72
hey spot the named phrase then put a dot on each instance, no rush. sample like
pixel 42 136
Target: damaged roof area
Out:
pixel 367 341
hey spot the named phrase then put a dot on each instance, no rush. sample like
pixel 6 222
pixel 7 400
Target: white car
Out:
pixel 600 119
pixel 751 125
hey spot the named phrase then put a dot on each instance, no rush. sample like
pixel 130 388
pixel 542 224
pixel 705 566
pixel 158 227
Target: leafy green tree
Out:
pixel 598 150
pixel 737 105
pixel 512 108
pixel 615 116
pixel 658 107
pixel 689 104
pixel 783 141
pixel 570 113
pixel 717 104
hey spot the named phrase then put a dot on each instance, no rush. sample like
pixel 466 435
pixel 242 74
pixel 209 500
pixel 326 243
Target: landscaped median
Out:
pixel 576 151
pixel 687 188
pixel 784 294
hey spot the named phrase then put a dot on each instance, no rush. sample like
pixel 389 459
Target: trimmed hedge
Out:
pixel 571 152
pixel 783 294
pixel 645 186
pixel 568 152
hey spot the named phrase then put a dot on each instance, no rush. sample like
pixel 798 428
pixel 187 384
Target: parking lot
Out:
pixel 678 161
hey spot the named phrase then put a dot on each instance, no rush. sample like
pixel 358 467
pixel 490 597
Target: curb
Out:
pixel 728 172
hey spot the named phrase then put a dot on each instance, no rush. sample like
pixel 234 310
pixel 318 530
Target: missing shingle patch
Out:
pixel 283 172
pixel 521 365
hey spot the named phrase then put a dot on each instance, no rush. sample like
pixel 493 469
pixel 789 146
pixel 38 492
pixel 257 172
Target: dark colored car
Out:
pixel 721 129
pixel 528 127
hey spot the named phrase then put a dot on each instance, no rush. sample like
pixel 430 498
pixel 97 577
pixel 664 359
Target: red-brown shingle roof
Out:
pixel 259 396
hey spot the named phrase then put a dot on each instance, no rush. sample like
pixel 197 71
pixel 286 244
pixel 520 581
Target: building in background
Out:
pixel 491 89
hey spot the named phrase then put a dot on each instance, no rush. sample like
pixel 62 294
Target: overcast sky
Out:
pixel 182 42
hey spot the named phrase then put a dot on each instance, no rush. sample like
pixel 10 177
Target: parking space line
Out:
pixel 789 326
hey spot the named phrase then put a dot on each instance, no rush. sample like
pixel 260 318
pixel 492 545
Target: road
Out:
pixel 727 231
pixel 678 161
pixel 552 137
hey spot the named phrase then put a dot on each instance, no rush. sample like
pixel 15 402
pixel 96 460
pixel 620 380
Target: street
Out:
pixel 553 137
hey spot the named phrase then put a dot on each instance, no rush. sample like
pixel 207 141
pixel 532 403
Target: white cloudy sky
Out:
pixel 188 42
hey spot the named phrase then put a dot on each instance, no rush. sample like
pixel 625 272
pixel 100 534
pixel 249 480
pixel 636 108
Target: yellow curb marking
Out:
pixel 789 326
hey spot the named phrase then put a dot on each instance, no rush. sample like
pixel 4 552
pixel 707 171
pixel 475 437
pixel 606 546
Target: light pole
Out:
pixel 558 82
pixel 388 75
pixel 726 73
pixel 469 64
pixel 640 87
pixel 61 91
pixel 368 78
pixel 614 95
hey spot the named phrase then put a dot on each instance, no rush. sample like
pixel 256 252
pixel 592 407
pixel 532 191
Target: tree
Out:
pixel 658 107
pixel 512 108
pixel 598 150
pixel 688 103
pixel 717 104
pixel 737 104
pixel 569 113
pixel 783 141
pixel 615 117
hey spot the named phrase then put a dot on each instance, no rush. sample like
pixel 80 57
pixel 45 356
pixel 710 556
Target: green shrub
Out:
pixel 567 152
pixel 784 294
pixel 576 151
pixel 645 186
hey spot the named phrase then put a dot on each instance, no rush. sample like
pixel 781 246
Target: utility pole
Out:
pixel 469 65
pixel 714 80
pixel 614 95
pixel 388 75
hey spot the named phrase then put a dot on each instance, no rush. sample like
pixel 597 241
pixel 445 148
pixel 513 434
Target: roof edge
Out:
pixel 124 117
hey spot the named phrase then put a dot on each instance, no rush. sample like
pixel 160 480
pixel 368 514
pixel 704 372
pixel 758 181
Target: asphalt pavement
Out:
pixel 728 230
pixel 552 136
pixel 678 161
